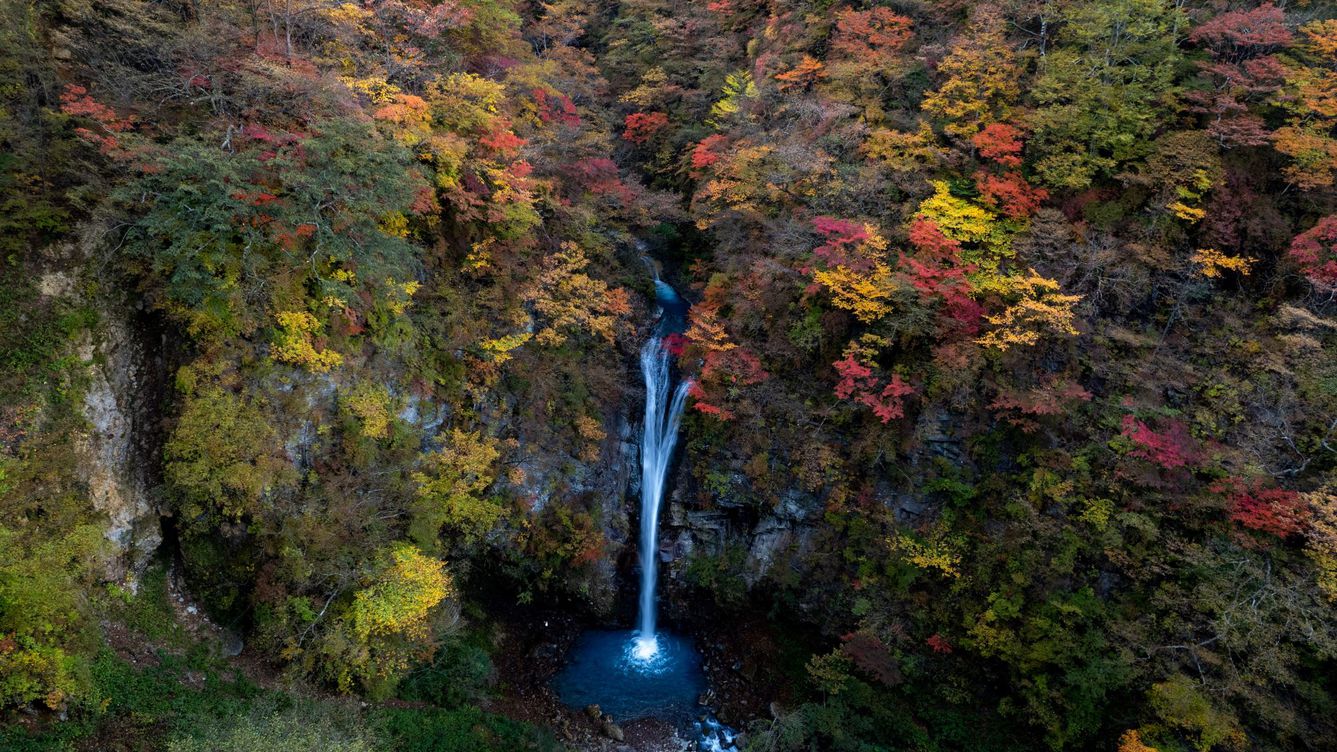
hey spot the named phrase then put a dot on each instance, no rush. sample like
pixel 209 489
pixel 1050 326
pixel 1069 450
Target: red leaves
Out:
pixel 842 238
pixel 1000 143
pixel 674 344
pixel 1274 511
pixel 723 372
pixel 600 177
pixel 429 23
pixel 873 35
pixel 1315 252
pixel 1264 26
pixel 1172 448
pixel 704 154
pixel 930 241
pixel 1005 190
pixel 642 126
pixel 1054 397
pixel 699 402
pixel 840 230
pixel 263 135
pixel 76 102
pixel 808 72
pixel 259 198
pixel 934 272
pixel 857 382
pixel 1242 69
pixel 424 202
pixel 406 109
pixel 555 108
pixel 1010 193
pixel 502 142
pixel 938 643
pixel 725 367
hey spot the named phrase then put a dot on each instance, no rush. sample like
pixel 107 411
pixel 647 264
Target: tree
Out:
pixel 1310 96
pixel 386 625
pixel 726 368
pixel 871 37
pixel 43 616
pixel 852 266
pixel 294 343
pixel 866 48
pixel 1039 309
pixel 642 126
pixel 223 455
pixel 860 383
pixel 1171 448
pixel 1244 71
pixel 802 76
pixel 938 273
pixel 1315 252
pixel 284 209
pixel 569 301
pixel 450 490
pixel 1103 89
pixel 1275 511
pixel 981 78
pixel 1181 170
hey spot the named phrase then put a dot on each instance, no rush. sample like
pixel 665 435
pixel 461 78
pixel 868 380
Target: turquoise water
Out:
pixel 629 677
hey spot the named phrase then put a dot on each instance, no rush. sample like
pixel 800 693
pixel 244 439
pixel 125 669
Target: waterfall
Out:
pixel 662 415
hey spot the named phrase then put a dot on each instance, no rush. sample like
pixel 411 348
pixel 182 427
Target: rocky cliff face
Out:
pixel 116 456
pixel 113 461
pixel 756 539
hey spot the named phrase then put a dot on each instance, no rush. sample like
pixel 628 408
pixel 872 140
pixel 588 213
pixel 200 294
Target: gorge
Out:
pixel 774 375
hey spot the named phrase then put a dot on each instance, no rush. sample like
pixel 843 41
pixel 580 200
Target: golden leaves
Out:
pixel 1040 308
pixel 294 343
pixel 1213 263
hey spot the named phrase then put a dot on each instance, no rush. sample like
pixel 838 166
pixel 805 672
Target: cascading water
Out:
pixel 647 672
pixel 662 416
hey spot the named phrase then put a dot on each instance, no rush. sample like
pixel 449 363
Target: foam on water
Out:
pixel 630 677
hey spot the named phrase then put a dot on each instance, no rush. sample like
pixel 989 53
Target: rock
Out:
pixel 232 643
pixel 113 459
pixel 613 731
pixel 593 712
pixel 56 285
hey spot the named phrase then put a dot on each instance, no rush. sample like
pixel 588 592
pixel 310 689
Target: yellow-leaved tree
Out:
pixel 387 625
pixel 450 490
pixel 569 301
pixel 295 343
pixel 1039 308
pixel 852 267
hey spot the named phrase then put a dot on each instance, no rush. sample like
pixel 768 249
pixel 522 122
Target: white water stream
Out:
pixel 663 413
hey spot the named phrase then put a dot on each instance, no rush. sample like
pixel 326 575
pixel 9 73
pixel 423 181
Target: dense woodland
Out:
pixel 1033 303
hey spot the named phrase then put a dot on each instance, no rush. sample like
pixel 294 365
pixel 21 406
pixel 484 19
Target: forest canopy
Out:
pixel 1013 404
